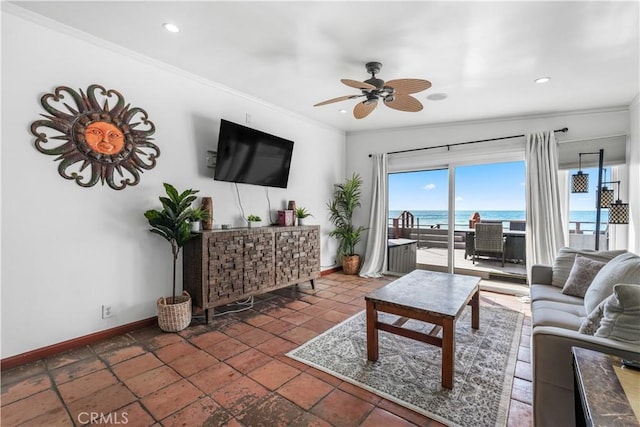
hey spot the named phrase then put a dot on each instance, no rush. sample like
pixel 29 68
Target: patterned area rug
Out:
pixel 409 372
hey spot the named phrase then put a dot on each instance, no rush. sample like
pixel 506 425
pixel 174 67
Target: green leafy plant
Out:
pixel 346 198
pixel 199 214
pixel 302 213
pixel 172 222
pixel 253 218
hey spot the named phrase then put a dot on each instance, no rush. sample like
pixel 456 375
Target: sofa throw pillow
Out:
pixel 591 324
pixel 621 314
pixel 624 268
pixel 582 274
pixel 563 262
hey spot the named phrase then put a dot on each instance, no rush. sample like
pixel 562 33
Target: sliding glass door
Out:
pixel 491 193
pixel 438 207
pixel 419 210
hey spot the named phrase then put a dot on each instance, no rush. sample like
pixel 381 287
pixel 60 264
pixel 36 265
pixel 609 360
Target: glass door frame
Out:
pixel 451 166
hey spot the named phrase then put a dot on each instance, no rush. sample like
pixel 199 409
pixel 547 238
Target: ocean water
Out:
pixel 435 218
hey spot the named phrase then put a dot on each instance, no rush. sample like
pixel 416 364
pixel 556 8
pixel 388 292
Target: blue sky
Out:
pixel 496 186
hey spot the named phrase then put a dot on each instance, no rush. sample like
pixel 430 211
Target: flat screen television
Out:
pixel 250 156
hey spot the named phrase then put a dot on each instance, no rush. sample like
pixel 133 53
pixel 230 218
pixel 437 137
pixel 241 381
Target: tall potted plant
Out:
pixel 172 224
pixel 346 198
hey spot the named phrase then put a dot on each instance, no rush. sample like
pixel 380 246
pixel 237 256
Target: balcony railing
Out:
pixel 436 234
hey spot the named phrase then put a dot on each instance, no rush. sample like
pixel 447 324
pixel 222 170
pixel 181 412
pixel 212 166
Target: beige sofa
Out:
pixel 557 319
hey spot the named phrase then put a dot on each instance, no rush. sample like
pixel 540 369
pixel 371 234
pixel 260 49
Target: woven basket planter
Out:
pixel 351 264
pixel 174 316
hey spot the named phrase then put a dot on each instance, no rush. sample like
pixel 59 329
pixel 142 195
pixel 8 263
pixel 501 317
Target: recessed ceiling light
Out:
pixel 343 111
pixel 170 27
pixel 542 79
pixel 437 96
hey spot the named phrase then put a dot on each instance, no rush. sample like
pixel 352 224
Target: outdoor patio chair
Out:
pixel 488 241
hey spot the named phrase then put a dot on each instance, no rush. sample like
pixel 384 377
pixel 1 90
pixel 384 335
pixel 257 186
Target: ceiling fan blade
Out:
pixel 364 108
pixel 407 86
pixel 404 103
pixel 338 99
pixel 357 84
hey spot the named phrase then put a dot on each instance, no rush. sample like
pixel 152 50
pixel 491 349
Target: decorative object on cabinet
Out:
pixel 114 140
pixel 207 205
pixel 197 217
pixel 302 214
pixel 172 224
pixel 285 218
pixel 346 198
pixel 292 207
pixel 223 266
pixel 253 221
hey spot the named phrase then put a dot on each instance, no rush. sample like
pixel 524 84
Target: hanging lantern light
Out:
pixel 618 211
pixel 580 180
pixel 606 197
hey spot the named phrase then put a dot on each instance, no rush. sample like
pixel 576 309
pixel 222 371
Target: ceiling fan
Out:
pixel 394 93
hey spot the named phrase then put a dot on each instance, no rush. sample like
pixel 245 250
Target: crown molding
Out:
pixel 612 109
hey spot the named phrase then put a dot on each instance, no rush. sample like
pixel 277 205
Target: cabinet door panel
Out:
pixel 258 262
pixel 226 266
pixel 309 250
pixel 287 256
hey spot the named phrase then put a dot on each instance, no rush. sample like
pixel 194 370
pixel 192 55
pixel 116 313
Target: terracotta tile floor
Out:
pixel 230 373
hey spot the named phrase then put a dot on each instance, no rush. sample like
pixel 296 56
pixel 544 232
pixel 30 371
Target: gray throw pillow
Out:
pixel 582 274
pixel 624 268
pixel 591 324
pixel 621 319
pixel 563 262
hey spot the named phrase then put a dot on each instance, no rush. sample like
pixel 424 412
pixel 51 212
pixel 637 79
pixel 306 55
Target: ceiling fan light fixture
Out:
pixel 395 94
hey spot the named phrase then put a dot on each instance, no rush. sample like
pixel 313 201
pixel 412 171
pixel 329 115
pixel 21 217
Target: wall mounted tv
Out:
pixel 250 156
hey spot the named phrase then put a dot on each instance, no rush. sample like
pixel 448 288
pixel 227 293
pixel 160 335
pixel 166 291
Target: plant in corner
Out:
pixel 346 198
pixel 172 224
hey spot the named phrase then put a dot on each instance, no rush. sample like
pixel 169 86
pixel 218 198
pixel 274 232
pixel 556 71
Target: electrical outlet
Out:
pixel 106 311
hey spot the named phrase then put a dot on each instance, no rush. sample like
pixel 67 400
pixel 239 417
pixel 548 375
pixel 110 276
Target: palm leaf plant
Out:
pixel 346 198
pixel 172 222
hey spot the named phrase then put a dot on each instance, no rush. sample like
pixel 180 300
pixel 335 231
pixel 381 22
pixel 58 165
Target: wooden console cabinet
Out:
pixel 223 266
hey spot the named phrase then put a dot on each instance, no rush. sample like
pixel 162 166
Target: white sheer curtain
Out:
pixel 376 253
pixel 545 224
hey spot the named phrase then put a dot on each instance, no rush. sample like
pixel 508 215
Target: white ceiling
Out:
pixel 484 55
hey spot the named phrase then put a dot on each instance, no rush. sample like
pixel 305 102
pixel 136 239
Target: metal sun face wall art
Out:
pixel 114 140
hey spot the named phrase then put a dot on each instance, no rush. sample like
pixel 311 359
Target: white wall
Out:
pixel 582 125
pixel 67 250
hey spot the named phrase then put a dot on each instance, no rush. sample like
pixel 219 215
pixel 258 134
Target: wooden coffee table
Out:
pixel 428 296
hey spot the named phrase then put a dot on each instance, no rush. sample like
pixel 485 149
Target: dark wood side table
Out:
pixel 600 399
